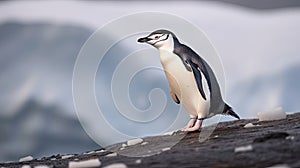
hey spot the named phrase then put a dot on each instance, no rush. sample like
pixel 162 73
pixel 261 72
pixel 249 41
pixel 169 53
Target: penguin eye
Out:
pixel 156 37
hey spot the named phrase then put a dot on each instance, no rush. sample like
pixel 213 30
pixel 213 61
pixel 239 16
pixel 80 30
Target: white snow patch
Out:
pixel 122 148
pixel 280 166
pixel 116 165
pixel 66 156
pixel 166 149
pixel 53 159
pixel 169 133
pixel 250 125
pixel 138 161
pixel 41 166
pixel 134 141
pixel 27 158
pixel 26 166
pixel 144 143
pixel 290 137
pixel 111 155
pixel 101 151
pixel 275 114
pixel 84 164
pixel 124 145
pixel 243 148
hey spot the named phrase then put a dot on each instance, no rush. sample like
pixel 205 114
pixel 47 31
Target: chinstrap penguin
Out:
pixel 192 81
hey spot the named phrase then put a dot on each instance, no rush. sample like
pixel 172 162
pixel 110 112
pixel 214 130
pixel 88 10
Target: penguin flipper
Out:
pixel 198 78
pixel 174 96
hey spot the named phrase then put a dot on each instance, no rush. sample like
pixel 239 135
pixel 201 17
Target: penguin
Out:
pixel 191 80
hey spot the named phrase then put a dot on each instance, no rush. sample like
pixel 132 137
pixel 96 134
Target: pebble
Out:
pixel 66 156
pixel 134 141
pixel 111 155
pixel 243 148
pixel 27 158
pixel 85 163
pixel 116 165
pixel 139 161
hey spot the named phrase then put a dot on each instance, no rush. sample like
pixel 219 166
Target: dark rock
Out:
pixel 271 136
pixel 273 143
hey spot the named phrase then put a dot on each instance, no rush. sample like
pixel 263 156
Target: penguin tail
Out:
pixel 228 111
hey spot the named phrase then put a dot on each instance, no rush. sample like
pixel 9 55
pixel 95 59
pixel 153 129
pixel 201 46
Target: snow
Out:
pixel 116 165
pixel 41 166
pixel 243 148
pixel 101 151
pixel 84 164
pixel 53 159
pixel 169 133
pixel 144 143
pixel 66 156
pixel 138 161
pixel 290 137
pixel 280 166
pixel 134 141
pixel 250 125
pixel 166 149
pixel 275 114
pixel 27 158
pixel 111 155
pixel 26 166
pixel 124 145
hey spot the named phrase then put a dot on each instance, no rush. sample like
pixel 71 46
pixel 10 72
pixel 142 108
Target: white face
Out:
pixel 162 41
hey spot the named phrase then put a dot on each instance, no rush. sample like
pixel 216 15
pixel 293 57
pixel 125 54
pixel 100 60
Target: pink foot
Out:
pixel 196 127
pixel 191 123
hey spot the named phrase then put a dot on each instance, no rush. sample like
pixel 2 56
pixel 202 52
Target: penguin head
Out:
pixel 160 39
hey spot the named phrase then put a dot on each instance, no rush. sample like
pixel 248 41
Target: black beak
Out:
pixel 143 39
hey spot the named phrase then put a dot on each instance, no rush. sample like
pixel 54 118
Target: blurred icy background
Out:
pixel 258 42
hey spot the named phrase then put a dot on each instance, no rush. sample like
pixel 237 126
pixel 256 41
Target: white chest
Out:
pixel 183 84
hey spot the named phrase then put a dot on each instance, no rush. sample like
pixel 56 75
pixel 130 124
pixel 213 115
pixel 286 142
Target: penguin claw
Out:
pixel 190 124
pixel 196 127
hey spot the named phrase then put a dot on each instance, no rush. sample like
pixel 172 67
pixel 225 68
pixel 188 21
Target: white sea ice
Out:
pixel 27 158
pixel 116 165
pixel 275 114
pixel 243 148
pixel 134 141
pixel 85 163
